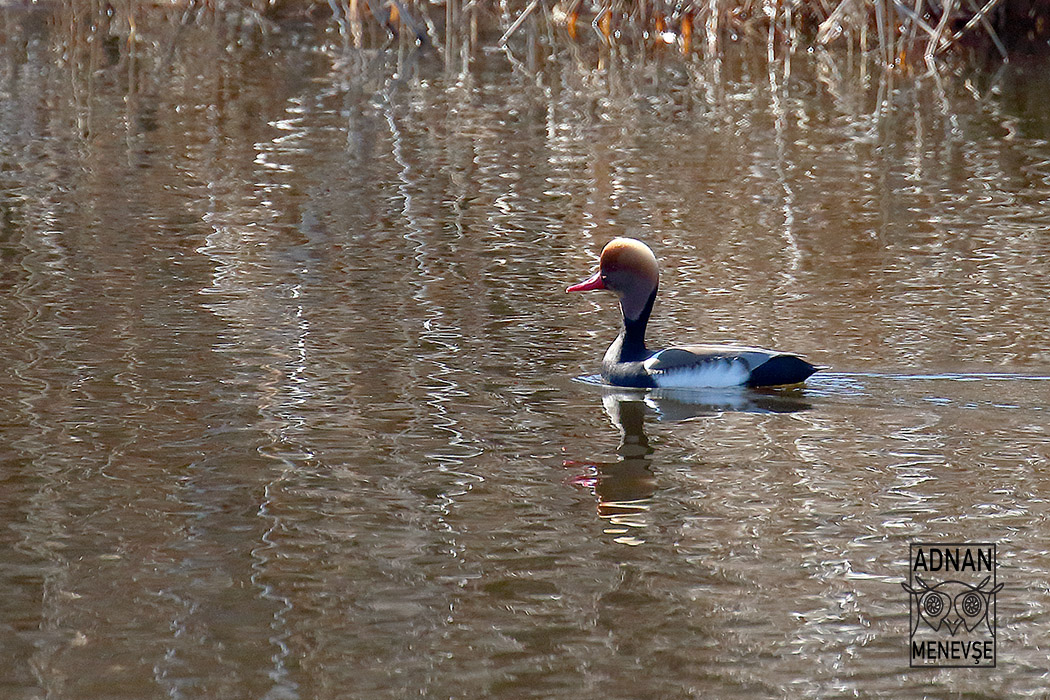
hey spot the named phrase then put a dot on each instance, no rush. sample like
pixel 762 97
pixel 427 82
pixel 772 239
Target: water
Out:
pixel 289 396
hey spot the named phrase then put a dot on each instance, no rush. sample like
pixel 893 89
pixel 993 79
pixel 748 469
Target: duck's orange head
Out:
pixel 628 268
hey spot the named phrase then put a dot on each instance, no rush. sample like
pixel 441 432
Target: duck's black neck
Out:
pixel 632 338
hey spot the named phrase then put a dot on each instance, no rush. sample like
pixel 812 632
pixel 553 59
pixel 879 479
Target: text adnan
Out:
pixel 952 559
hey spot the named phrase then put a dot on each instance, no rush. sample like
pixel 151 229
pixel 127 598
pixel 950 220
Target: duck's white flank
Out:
pixel 715 373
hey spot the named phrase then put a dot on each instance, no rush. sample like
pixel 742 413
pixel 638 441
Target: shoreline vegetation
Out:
pixel 901 35
pixel 875 59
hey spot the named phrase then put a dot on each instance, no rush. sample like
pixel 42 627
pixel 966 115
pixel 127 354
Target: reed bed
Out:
pixel 683 57
pixel 895 33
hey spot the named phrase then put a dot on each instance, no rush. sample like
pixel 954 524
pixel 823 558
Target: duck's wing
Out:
pixel 686 355
pixel 726 365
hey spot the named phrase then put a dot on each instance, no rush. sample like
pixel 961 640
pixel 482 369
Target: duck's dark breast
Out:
pixel 629 374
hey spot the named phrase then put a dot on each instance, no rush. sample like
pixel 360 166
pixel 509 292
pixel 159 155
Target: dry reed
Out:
pixel 894 32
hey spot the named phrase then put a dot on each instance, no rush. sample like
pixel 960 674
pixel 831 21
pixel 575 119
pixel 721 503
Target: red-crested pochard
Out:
pixel 628 268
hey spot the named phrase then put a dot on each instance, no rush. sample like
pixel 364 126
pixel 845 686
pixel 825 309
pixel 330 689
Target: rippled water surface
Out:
pixel 288 389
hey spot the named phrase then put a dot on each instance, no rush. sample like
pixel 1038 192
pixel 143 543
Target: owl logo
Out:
pixel 952 591
pixel 953 604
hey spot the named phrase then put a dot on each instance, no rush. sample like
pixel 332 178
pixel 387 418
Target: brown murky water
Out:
pixel 288 398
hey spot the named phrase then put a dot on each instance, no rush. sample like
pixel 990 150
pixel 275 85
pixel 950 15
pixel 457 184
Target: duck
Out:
pixel 628 268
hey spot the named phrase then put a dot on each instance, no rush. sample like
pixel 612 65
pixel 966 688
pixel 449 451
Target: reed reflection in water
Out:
pixel 288 369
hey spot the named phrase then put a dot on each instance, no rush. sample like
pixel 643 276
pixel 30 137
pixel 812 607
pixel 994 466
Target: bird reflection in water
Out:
pixel 624 488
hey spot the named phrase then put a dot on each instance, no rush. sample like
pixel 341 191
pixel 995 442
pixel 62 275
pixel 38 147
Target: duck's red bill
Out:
pixel 593 282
